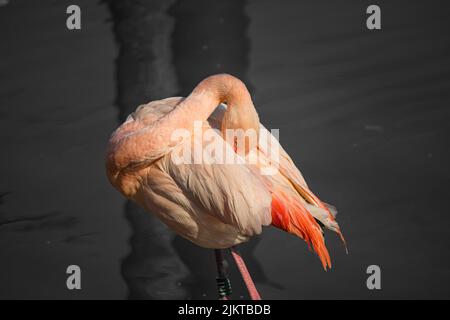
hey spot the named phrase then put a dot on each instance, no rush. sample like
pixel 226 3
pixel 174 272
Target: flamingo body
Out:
pixel 213 205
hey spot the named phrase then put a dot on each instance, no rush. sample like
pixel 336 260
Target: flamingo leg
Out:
pixel 254 294
pixel 223 283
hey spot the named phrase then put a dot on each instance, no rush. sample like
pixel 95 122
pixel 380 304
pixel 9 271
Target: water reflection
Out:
pixel 165 49
pixel 144 72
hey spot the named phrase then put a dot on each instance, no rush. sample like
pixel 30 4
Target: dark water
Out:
pixel 364 114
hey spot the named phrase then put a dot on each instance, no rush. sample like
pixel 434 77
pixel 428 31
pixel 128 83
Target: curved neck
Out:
pixel 207 95
pixel 133 144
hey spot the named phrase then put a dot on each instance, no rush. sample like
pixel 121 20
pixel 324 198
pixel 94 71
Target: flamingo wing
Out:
pixel 295 208
pixel 291 178
pixel 287 180
pixel 232 193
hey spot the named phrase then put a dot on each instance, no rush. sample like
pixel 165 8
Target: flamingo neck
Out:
pixel 208 94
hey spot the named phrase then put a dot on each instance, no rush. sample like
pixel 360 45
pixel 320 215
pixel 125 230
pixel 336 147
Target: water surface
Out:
pixel 364 115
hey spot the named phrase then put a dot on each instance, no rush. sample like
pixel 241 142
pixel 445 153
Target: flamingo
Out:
pixel 216 206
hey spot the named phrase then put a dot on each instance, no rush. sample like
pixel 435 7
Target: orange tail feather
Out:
pixel 290 215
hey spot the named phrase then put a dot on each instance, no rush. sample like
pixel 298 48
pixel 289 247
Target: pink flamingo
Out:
pixel 215 206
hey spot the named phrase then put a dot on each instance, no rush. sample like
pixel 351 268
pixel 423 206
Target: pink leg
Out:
pixel 254 294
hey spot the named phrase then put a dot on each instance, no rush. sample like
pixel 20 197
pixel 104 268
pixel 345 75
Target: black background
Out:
pixel 364 114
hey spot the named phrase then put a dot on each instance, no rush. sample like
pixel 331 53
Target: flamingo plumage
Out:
pixel 214 205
